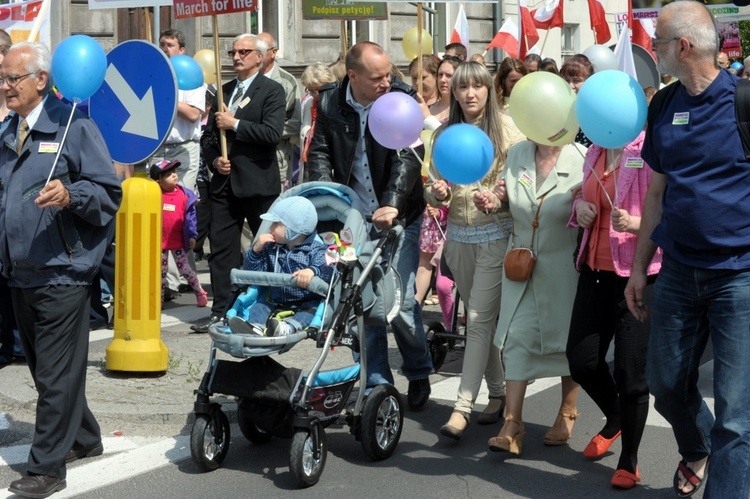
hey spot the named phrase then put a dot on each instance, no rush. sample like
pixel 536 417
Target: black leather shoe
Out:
pixel 419 393
pixel 37 486
pixel 79 453
pixel 169 294
pixel 202 326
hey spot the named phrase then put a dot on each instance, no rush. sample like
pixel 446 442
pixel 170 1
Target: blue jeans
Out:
pixel 260 312
pixel 407 326
pixel 690 306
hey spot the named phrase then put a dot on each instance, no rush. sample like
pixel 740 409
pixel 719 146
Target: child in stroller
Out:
pixel 292 246
pixel 288 402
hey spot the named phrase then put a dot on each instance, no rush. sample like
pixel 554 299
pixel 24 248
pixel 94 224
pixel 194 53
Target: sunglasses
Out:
pixel 242 52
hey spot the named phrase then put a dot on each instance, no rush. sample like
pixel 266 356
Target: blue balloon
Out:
pixel 611 108
pixel 189 73
pixel 463 154
pixel 79 65
pixel 737 66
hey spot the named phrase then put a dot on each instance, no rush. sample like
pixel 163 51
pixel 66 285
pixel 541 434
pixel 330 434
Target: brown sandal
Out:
pixel 508 443
pixel 557 437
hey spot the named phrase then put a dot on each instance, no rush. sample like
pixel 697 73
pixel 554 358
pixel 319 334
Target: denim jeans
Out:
pixel 260 312
pixel 407 326
pixel 690 306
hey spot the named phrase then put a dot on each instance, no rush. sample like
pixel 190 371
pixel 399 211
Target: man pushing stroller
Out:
pixel 292 246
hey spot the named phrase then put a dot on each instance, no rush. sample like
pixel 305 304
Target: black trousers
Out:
pixel 228 214
pixel 54 326
pixel 599 314
pixel 203 214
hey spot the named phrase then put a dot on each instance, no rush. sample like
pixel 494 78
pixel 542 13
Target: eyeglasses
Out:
pixel 654 41
pixel 242 52
pixel 13 80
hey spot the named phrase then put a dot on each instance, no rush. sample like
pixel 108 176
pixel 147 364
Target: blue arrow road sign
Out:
pixel 136 105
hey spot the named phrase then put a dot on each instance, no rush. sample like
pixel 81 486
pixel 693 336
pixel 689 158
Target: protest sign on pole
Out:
pixel 185 9
pixel 24 19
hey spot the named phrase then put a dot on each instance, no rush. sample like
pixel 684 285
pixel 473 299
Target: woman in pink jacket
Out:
pixel 614 186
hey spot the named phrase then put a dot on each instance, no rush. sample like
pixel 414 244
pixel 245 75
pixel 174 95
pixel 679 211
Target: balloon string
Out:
pixel 424 166
pixel 62 143
pixel 588 165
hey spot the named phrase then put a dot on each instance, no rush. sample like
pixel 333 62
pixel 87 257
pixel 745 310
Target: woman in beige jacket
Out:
pixel 475 245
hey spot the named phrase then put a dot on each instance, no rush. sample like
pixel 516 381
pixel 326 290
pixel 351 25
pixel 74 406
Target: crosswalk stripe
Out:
pixel 129 459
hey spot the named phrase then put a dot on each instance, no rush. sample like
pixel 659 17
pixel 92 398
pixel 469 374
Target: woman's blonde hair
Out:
pixel 490 121
pixel 316 75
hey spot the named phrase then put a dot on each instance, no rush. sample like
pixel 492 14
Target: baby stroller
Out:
pixel 279 401
pixel 440 339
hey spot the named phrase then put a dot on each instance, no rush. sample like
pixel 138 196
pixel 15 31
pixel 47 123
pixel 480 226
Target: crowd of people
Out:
pixel 646 246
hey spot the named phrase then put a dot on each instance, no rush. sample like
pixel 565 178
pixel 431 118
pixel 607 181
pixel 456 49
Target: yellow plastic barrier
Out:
pixel 137 345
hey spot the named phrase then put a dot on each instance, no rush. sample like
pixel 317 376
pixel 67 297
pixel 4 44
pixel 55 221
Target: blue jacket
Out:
pixel 54 246
pixel 278 258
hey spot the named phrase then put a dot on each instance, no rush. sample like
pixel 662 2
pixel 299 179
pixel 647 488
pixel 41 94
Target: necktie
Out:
pixel 236 97
pixel 23 133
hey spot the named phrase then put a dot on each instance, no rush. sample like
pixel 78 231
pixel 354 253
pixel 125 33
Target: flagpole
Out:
pixel 544 42
pixel 38 22
pixel 219 90
pixel 419 44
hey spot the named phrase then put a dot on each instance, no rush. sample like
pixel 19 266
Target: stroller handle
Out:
pixel 251 277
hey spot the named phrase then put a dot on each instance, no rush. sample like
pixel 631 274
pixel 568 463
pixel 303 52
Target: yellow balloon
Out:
pixel 411 46
pixel 542 106
pixel 428 137
pixel 207 62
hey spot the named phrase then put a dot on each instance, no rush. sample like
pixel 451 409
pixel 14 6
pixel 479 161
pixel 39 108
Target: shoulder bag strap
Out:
pixel 535 222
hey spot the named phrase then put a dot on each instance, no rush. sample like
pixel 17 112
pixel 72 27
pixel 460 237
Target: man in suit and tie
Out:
pixel 247 181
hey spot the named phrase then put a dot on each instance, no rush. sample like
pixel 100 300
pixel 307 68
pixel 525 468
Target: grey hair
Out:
pixel 691 24
pixel 260 45
pixel 40 60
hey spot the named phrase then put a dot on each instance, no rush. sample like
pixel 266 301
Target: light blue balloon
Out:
pixel 611 108
pixel 189 73
pixel 463 154
pixel 79 65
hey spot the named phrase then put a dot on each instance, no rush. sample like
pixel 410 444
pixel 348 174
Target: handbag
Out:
pixel 519 262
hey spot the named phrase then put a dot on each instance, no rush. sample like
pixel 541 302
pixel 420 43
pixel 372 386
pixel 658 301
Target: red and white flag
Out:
pixel 643 31
pixel 506 38
pixel 528 35
pixel 549 16
pixel 599 21
pixel 460 32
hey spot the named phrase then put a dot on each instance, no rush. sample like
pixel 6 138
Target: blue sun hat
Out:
pixel 296 213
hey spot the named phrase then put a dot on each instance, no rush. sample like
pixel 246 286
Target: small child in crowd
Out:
pixel 179 225
pixel 292 247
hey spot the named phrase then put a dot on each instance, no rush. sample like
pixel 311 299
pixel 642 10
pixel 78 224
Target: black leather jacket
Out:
pixel 396 175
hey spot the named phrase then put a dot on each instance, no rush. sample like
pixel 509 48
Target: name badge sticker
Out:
pixel 526 180
pixel 48 147
pixel 169 207
pixel 634 163
pixel 244 102
pixel 681 118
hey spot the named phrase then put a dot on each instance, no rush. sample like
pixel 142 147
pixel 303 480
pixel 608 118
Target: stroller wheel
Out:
pixel 437 346
pixel 307 455
pixel 382 421
pixel 209 440
pixel 248 428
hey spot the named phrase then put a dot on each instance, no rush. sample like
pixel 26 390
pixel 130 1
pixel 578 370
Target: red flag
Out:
pixel 599 21
pixel 549 16
pixel 506 38
pixel 528 34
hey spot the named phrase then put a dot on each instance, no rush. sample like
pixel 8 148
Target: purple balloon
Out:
pixel 395 120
